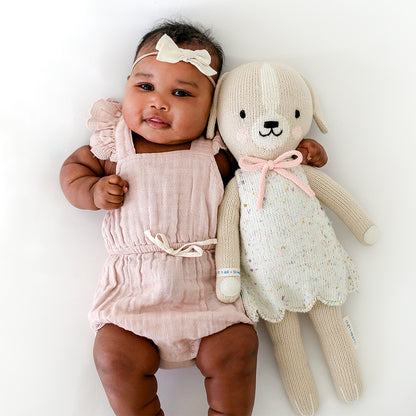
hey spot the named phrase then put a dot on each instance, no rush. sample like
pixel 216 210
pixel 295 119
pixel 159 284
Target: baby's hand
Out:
pixel 313 153
pixel 108 192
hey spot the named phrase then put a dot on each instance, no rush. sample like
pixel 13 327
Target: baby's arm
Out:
pixel 89 183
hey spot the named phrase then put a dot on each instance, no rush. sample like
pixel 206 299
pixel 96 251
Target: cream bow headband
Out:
pixel 169 52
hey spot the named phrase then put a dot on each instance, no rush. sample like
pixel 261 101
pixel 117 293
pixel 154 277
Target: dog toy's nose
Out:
pixel 271 124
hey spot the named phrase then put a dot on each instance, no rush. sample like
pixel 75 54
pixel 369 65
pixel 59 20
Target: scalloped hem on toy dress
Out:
pixel 256 314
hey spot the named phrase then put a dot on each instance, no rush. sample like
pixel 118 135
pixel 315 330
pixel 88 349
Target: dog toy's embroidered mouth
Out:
pixel 271 132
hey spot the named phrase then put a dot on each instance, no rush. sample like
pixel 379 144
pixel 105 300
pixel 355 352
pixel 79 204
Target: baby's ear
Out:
pixel 317 111
pixel 212 120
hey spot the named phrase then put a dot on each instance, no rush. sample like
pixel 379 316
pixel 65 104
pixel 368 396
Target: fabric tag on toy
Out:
pixel 350 330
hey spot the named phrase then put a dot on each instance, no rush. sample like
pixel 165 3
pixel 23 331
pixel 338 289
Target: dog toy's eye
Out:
pixel 297 113
pixel 242 114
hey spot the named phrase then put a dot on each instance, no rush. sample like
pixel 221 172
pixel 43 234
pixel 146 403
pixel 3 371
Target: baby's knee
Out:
pixel 126 364
pixel 121 359
pixel 234 349
pixel 244 346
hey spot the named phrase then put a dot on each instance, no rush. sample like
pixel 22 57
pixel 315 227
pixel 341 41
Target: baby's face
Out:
pixel 167 103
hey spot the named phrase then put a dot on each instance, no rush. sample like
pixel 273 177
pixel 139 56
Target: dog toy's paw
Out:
pixel 371 235
pixel 228 285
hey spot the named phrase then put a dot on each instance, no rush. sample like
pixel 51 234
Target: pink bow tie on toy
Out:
pixel 278 165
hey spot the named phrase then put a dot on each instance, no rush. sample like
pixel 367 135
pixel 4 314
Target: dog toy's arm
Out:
pixel 335 197
pixel 227 252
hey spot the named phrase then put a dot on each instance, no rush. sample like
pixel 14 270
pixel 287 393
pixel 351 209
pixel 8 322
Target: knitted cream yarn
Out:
pixel 293 364
pixel 338 200
pixel 262 110
pixel 226 260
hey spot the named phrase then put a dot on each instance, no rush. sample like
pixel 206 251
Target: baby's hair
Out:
pixel 184 33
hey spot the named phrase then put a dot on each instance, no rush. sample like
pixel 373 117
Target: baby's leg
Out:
pixel 126 364
pixel 293 364
pixel 338 349
pixel 228 361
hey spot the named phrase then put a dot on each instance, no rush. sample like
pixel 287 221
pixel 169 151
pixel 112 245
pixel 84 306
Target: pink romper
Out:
pixel 144 289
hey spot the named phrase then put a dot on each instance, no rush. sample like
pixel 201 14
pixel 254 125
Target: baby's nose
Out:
pixel 159 103
pixel 159 106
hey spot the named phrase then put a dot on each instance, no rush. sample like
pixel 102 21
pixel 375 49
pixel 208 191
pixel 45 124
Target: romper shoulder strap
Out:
pixel 208 146
pixel 124 140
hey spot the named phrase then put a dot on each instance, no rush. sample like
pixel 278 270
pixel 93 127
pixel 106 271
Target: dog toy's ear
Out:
pixel 212 121
pixel 317 111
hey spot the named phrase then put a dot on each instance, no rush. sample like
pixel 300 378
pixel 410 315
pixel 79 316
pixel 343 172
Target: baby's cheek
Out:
pixel 242 136
pixel 129 118
pixel 297 132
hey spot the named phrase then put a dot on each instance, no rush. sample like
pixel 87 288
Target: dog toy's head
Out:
pixel 263 110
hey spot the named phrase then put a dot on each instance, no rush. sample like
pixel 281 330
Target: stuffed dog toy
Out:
pixel 272 223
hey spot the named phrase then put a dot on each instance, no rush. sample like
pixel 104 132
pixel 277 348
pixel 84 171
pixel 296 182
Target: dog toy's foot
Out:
pixel 301 391
pixel 339 351
pixel 346 378
pixel 350 393
pixel 307 406
pixel 293 364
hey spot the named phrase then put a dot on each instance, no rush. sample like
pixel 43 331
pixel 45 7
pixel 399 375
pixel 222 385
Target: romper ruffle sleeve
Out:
pixel 105 115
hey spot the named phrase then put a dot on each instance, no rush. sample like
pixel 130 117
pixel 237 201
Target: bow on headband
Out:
pixel 171 53
pixel 279 166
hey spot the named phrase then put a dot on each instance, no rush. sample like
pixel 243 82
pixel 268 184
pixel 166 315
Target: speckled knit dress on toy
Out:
pixel 290 255
pixel 168 299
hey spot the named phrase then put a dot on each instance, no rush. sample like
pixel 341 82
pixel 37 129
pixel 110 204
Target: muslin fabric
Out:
pixel 167 299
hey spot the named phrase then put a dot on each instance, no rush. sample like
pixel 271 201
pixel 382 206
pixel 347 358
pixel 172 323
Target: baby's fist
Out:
pixel 108 192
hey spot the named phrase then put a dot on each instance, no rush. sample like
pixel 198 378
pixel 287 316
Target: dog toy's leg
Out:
pixel 339 351
pixel 293 364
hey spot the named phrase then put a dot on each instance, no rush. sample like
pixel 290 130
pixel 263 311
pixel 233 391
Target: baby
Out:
pixel 161 182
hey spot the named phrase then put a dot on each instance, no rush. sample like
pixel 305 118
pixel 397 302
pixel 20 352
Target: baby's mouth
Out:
pixel 156 123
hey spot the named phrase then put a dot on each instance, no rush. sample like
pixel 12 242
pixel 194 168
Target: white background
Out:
pixel 57 58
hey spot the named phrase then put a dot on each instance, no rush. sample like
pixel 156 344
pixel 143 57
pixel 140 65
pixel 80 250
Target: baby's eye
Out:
pixel 145 86
pixel 181 93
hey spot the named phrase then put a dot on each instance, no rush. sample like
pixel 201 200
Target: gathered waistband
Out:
pixel 161 244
